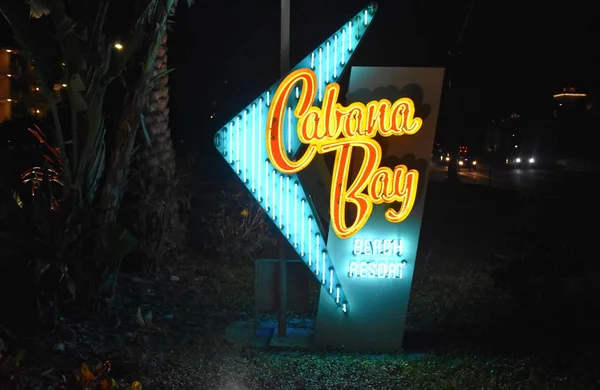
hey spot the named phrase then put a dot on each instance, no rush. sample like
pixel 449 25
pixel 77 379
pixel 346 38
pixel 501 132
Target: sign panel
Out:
pixel 381 139
pixel 376 263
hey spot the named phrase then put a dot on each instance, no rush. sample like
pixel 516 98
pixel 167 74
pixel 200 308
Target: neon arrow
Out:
pixel 242 143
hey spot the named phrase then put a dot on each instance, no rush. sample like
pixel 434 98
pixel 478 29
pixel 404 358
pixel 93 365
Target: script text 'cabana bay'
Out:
pixel 335 128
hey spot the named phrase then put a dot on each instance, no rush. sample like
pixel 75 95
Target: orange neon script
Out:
pixel 335 128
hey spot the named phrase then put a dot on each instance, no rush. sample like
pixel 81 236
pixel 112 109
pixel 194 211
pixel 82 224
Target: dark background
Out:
pixel 515 55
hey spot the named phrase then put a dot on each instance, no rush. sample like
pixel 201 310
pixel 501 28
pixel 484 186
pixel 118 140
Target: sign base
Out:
pixel 377 314
pixel 376 265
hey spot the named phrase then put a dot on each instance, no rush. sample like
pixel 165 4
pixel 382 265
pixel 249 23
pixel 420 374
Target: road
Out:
pixel 561 182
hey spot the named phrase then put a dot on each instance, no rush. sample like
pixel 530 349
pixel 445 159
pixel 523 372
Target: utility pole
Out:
pixel 284 62
pixel 454 105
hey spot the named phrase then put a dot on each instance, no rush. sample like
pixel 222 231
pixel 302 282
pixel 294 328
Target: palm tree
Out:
pixel 157 184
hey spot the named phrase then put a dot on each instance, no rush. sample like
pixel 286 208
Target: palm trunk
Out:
pixel 157 167
pixel 159 155
pixel 118 169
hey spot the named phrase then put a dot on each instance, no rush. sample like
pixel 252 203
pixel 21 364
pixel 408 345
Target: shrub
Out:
pixel 235 228
pixel 99 378
pixel 157 209
pixel 550 275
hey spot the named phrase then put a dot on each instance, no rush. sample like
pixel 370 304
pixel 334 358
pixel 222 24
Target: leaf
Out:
pixel 71 288
pixel 86 373
pixel 20 356
pixel 117 240
pixel 135 386
pixel 145 130
pixel 138 317
pixel 41 266
pixel 162 74
pixel 148 318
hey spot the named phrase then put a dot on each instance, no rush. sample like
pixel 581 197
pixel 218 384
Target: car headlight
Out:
pixel 474 162
pixel 531 160
pixel 460 163
pixel 518 160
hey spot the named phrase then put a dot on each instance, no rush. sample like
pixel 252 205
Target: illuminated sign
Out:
pixel 278 190
pixel 380 137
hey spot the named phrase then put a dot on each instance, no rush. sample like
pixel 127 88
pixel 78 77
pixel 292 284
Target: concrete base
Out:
pixel 264 334
pixel 246 333
pixel 297 338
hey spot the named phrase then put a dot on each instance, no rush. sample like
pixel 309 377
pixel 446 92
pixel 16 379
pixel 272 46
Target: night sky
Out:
pixel 515 54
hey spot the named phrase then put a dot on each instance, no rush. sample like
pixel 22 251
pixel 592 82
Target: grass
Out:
pixel 469 326
pixel 467 330
pixel 264 370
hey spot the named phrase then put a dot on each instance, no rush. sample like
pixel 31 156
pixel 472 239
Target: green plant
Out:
pixel 100 56
pixel 45 239
pixel 236 228
pixel 11 370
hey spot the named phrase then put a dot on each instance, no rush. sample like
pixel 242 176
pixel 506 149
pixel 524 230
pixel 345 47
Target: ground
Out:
pixel 463 328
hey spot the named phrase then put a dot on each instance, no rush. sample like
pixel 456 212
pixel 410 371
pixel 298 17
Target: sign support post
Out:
pixel 284 65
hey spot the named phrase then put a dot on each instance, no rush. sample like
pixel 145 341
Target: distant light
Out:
pixel 8 51
pixel 570 95
pixel 531 160
pixel 118 46
pixel 9 75
pixel 37 111
pixel 64 85
pixel 9 100
pixel 37 88
pixel 516 146
pixel 518 160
